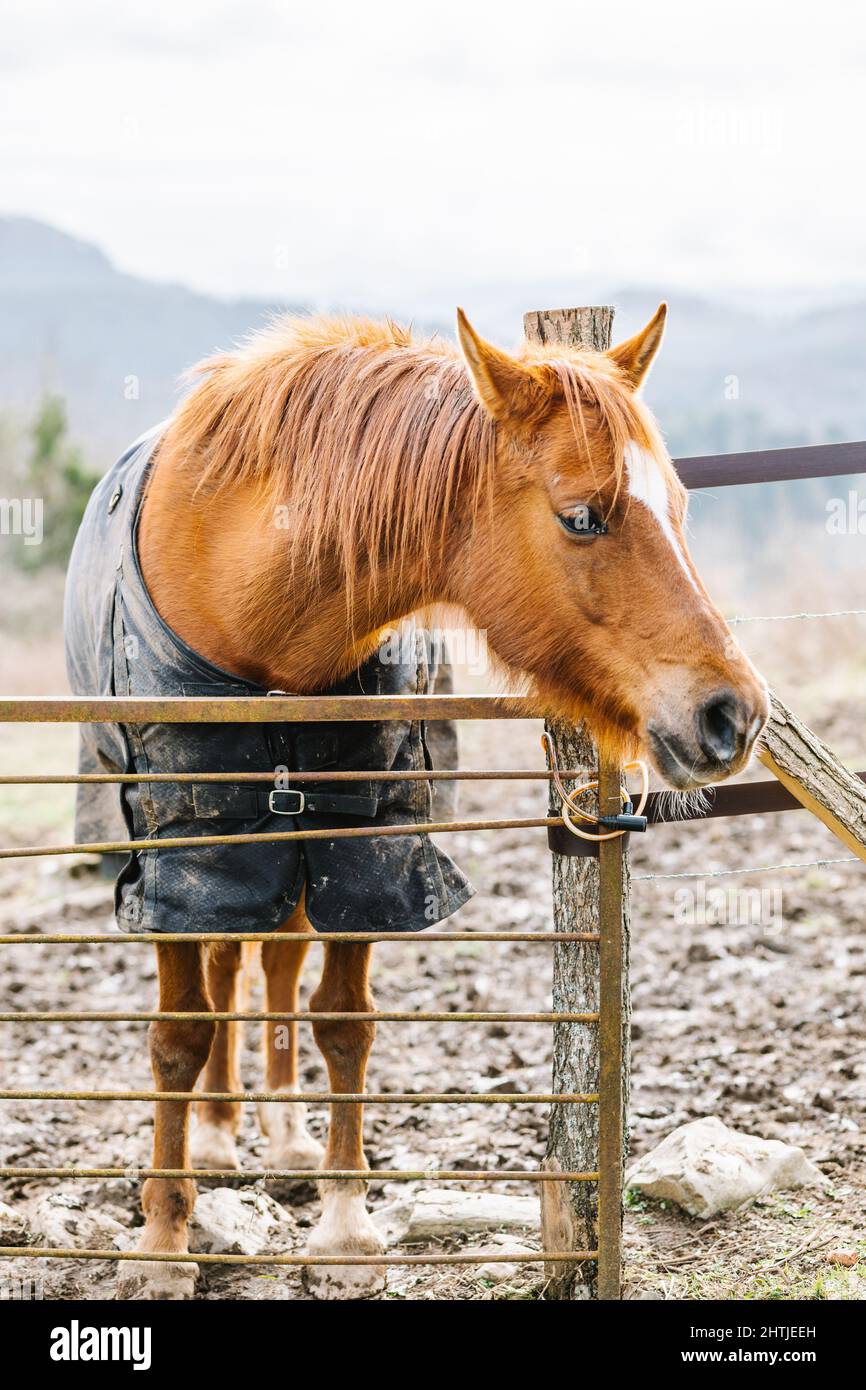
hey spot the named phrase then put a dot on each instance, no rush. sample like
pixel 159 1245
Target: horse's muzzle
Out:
pixel 718 744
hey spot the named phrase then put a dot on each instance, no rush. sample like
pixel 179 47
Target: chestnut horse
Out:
pixel 534 493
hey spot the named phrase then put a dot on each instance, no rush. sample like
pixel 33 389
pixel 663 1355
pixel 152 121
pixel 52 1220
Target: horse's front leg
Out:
pixel 178 1051
pixel 345 1226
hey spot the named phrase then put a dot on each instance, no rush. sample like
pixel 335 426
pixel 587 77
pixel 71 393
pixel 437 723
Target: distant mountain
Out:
pixel 114 345
pixel 34 256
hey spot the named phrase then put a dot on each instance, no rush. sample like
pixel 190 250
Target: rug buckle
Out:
pixel 283 811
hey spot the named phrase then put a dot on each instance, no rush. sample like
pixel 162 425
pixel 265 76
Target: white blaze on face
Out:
pixel 647 484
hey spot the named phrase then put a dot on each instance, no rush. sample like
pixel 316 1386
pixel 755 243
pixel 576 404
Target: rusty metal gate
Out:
pixel 608 1174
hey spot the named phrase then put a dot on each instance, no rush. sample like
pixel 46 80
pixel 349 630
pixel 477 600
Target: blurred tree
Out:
pixel 54 470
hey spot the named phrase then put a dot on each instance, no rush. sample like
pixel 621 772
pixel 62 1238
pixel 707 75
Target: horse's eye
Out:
pixel 582 521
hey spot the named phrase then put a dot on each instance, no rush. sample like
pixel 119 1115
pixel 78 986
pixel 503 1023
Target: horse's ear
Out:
pixel 514 394
pixel 634 356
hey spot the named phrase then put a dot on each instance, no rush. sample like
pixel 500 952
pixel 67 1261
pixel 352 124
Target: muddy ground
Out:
pixel 752 1013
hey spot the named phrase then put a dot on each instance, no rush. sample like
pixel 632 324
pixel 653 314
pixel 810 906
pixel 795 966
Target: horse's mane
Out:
pixel 366 435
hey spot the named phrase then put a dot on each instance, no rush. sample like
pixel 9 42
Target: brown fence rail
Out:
pixel 773 465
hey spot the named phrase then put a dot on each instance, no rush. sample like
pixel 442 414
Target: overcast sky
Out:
pixel 391 151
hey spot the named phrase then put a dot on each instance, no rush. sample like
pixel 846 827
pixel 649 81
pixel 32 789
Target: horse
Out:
pixel 325 480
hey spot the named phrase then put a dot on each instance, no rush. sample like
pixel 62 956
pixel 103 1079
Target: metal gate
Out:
pixel 607 1176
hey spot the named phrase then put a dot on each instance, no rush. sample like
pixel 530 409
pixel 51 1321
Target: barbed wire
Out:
pixel 752 869
pixel 790 617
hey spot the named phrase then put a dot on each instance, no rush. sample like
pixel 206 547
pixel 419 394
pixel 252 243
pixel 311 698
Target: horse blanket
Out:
pixel 117 644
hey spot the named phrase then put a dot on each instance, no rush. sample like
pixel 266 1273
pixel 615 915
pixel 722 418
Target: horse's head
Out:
pixel 587 584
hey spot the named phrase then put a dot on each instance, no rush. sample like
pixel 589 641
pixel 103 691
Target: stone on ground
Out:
pixel 246 1222
pixel 501 1271
pixel 707 1168
pixel 441 1212
pixel 15 1228
pixel 62 1219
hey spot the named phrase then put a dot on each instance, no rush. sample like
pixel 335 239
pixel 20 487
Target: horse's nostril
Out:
pixel 720 728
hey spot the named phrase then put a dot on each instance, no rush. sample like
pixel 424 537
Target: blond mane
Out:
pixel 366 436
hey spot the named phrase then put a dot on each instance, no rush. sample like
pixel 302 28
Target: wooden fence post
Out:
pixel 589 894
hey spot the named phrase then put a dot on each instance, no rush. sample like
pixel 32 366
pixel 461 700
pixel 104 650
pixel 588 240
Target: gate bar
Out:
pixel 259 709
pixel 132 1172
pixel 300 1016
pixel 52 779
pixel 55 1253
pixel 545 938
pixel 362 832
pixel 321 1097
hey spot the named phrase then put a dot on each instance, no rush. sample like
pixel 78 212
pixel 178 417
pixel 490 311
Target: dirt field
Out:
pixel 756 1018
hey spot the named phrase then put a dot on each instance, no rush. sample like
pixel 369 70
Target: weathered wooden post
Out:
pixel 589 894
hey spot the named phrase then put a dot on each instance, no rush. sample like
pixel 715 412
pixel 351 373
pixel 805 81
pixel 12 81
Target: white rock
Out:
pixel 15 1226
pixel 445 1212
pixel 393 1221
pixel 500 1271
pixel 246 1222
pixel 61 1218
pixel 705 1168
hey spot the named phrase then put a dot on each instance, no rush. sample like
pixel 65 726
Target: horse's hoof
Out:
pixel 298 1150
pixel 290 1145
pixel 345 1281
pixel 213 1146
pixel 345 1229
pixel 161 1280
